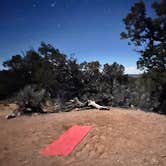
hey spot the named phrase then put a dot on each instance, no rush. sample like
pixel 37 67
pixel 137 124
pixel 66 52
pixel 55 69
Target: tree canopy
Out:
pixel 148 33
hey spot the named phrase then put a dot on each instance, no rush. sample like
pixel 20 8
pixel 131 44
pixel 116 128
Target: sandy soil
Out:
pixel 119 137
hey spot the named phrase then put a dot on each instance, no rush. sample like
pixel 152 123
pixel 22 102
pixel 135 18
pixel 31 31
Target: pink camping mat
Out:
pixel 65 144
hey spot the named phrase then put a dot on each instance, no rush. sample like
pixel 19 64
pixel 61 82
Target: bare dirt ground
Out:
pixel 119 137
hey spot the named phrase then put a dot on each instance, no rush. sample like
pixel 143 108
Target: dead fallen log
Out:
pixel 77 104
pixel 97 106
pixel 28 108
pixel 25 108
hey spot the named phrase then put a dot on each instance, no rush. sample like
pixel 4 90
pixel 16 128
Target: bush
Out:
pixel 30 93
pixel 30 99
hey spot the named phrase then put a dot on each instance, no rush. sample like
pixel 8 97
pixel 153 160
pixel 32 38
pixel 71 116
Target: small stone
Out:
pixel 154 161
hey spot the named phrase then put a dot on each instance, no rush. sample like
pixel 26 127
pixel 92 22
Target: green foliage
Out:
pixel 31 94
pixel 61 78
pixel 10 82
pixel 148 34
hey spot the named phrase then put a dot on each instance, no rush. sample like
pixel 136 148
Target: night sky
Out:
pixel 84 29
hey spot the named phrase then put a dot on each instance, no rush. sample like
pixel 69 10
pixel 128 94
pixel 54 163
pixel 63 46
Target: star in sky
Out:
pixel 58 25
pixel 90 28
pixel 107 10
pixel 35 4
pixel 53 4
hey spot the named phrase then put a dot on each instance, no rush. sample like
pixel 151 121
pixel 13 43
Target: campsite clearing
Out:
pixel 119 137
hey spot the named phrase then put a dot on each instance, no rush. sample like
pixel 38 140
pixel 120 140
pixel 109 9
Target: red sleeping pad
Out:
pixel 67 141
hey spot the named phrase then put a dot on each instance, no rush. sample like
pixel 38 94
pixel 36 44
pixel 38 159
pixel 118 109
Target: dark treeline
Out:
pixel 63 78
pixel 60 76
